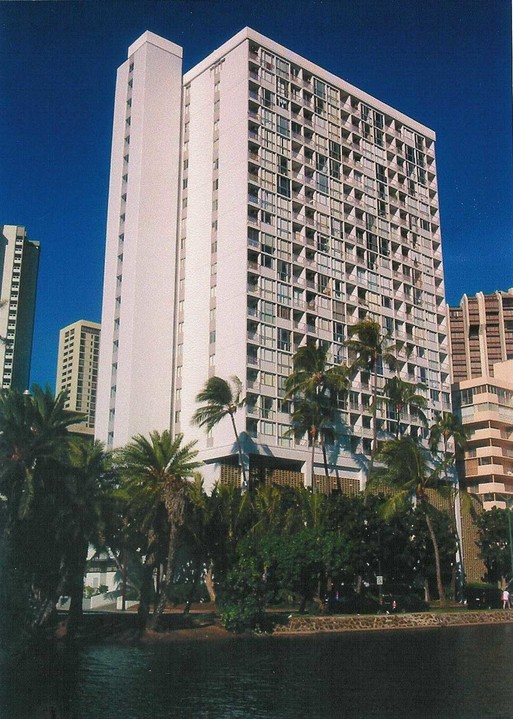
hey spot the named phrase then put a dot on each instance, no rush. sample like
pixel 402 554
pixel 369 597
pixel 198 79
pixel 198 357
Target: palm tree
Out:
pixel 91 489
pixel 33 435
pixel 306 520
pixel 34 442
pixel 371 348
pixel 312 375
pixel 448 426
pixel 316 418
pixel 406 477
pixel 271 503
pixel 316 388
pixel 401 394
pixel 222 399
pixel 197 520
pixel 154 472
pixel 230 518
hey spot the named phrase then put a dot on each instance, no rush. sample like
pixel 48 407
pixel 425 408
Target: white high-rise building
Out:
pixel 256 202
pixel 19 265
pixel 136 354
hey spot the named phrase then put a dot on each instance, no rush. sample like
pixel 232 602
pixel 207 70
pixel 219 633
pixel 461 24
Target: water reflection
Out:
pixel 457 673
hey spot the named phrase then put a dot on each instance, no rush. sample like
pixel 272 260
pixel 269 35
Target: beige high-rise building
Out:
pixel 256 203
pixel 485 405
pixel 77 370
pixel 481 342
pixel 19 264
pixel 480 334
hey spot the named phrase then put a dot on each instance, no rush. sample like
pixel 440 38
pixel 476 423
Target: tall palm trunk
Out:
pixel 47 610
pixel 374 445
pixel 195 579
pixel 398 409
pixel 438 568
pixel 209 583
pixel 76 587
pixel 452 515
pixel 239 450
pixel 146 590
pixel 313 435
pixel 123 581
pixel 175 507
pixel 167 579
pixel 325 460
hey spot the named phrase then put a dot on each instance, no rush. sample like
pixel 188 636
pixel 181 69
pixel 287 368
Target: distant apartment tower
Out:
pixel 481 341
pixel 485 405
pixel 77 370
pixel 19 264
pixel 257 203
pixel 481 334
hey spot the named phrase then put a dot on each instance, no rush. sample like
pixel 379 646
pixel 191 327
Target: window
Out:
pixel 284 438
pixel 267 118
pixel 282 87
pixel 267 97
pixel 320 107
pixel 267 355
pixel 284 294
pixel 283 186
pixel 321 163
pixel 267 243
pixel 336 227
pixel 267 312
pixel 283 165
pixel 322 243
pixel 335 169
pixel 267 288
pixel 335 151
pixel 319 88
pixel 282 68
pixel 322 183
pixel 282 126
pixel 267 378
pixel 283 339
pixel 266 199
pixel 267 158
pixel 267 428
pixel 267 337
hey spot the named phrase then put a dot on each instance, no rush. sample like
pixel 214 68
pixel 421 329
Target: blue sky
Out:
pixel 446 63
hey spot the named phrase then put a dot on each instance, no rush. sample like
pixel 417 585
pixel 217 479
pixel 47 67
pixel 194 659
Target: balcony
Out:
pixel 485 470
pixel 492 488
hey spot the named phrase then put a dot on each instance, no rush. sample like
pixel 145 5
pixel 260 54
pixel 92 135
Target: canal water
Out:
pixel 450 673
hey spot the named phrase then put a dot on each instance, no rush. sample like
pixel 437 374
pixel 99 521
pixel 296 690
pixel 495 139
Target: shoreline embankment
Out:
pixel 208 626
pixel 337 623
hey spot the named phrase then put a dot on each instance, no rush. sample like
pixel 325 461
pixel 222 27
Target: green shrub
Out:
pixel 482 596
pixel 242 615
pixel 242 596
